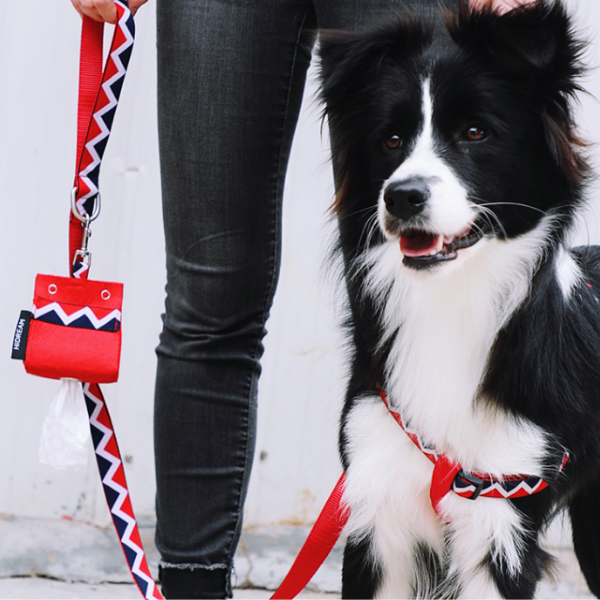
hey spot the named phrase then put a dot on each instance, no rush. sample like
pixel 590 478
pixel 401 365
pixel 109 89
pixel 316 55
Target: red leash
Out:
pixel 90 80
pixel 321 540
pixel 98 98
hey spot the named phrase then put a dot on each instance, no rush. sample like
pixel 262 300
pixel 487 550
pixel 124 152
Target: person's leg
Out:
pixel 231 76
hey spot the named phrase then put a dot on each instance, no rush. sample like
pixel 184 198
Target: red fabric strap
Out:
pixel 448 475
pixel 90 78
pixel 321 540
pixel 444 472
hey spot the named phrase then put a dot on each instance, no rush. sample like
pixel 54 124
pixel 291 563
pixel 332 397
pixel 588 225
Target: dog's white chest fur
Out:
pixel 443 326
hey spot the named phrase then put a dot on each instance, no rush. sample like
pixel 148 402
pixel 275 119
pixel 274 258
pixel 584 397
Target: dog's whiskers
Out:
pixel 369 230
pixel 356 212
pixel 491 219
pixel 488 204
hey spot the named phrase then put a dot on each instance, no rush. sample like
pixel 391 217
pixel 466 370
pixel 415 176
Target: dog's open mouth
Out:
pixel 422 248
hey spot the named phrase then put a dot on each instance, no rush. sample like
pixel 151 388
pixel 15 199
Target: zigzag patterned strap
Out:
pixel 80 270
pixel 112 474
pixel 472 485
pixel 98 96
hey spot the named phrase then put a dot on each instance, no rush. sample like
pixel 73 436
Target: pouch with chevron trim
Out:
pixel 74 330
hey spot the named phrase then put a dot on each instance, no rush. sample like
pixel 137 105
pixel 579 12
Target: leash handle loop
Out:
pixel 99 92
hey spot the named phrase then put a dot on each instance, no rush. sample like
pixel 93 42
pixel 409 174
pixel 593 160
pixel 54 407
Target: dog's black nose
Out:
pixel 405 199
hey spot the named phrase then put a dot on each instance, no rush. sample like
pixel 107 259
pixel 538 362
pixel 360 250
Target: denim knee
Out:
pixel 218 298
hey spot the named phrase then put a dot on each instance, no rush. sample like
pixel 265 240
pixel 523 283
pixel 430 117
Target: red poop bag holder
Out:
pixel 73 332
pixel 75 329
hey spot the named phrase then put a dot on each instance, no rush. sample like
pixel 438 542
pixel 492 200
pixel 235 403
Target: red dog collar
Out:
pixel 449 475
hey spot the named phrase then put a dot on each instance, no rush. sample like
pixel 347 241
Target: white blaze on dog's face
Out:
pixel 423 204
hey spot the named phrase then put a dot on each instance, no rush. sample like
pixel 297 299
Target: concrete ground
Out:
pixel 38 587
pixel 68 559
pixel 35 587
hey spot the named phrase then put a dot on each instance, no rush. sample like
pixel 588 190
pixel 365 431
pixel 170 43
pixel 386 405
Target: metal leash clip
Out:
pixel 83 255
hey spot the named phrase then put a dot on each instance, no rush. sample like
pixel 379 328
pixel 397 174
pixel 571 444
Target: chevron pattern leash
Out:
pixel 80 270
pixel 99 92
pixel 114 483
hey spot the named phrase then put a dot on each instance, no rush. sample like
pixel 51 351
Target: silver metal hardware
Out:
pixel 78 215
pixel 83 255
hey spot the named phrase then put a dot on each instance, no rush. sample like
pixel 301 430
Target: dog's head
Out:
pixel 458 141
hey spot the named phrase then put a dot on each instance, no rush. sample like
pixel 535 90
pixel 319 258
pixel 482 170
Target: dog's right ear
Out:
pixel 350 61
pixel 351 64
pixel 335 48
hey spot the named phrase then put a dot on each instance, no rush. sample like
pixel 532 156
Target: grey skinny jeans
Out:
pixel 231 75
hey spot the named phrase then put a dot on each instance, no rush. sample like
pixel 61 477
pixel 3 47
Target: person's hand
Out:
pixel 500 6
pixel 103 10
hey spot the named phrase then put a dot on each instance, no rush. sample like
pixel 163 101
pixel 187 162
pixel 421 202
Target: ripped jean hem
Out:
pixel 192 580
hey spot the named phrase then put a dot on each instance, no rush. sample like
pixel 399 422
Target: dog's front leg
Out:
pixel 370 571
pixel 361 572
pixel 395 536
pixel 493 554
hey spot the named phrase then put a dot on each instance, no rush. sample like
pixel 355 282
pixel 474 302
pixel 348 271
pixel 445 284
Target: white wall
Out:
pixel 39 43
pixel 301 388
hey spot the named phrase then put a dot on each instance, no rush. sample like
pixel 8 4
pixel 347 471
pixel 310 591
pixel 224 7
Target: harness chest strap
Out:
pixel 449 475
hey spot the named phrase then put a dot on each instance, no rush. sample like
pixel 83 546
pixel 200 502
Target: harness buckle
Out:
pixel 472 480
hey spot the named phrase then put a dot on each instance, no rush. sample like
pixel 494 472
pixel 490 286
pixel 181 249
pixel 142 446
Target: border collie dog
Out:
pixel 475 328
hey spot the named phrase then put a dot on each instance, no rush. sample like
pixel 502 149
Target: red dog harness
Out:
pixel 449 475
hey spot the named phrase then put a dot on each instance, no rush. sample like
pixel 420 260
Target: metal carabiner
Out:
pixel 83 254
pixel 87 218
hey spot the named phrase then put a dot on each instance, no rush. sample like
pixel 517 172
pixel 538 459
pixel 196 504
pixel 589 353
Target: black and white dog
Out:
pixel 459 175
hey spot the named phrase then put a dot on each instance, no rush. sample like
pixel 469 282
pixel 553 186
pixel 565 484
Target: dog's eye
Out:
pixel 474 133
pixel 393 141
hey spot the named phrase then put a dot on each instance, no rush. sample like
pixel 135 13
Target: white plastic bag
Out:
pixel 65 433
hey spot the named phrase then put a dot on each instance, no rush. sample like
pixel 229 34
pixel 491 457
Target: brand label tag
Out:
pixel 19 345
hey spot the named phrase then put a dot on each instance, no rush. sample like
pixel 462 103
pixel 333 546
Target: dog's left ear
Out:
pixel 535 45
pixel 535 40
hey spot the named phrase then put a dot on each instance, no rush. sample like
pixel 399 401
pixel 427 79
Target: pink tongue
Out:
pixel 417 243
